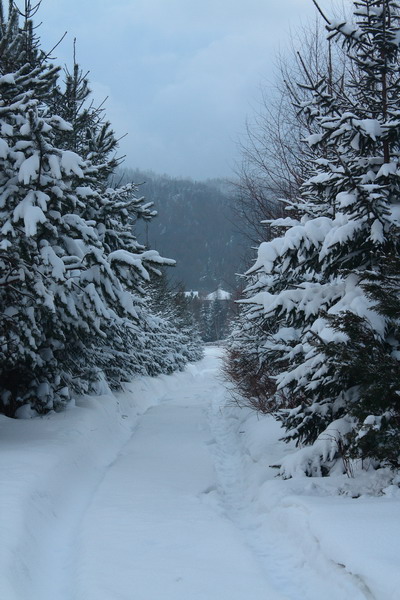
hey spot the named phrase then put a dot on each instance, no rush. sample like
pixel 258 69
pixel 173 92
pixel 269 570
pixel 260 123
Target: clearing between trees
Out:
pixel 165 490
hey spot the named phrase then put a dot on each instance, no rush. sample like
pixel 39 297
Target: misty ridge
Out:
pixel 196 225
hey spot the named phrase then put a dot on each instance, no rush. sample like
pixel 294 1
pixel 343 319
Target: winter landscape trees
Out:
pixel 321 322
pixel 72 274
pixel 166 487
pixel 82 298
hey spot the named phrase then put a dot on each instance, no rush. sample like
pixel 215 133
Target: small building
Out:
pixel 219 294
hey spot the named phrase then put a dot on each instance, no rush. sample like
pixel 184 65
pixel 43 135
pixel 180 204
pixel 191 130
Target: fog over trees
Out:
pixel 197 225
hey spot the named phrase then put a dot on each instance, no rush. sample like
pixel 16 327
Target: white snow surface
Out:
pixel 165 492
pixel 219 294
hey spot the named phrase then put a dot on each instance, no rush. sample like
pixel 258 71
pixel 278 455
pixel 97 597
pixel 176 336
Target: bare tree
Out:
pixel 275 159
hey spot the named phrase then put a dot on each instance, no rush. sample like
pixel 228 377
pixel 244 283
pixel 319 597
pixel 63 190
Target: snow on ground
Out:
pixel 334 538
pixel 151 531
pixel 49 470
pixel 164 492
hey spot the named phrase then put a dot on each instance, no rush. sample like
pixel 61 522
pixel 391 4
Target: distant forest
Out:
pixel 195 226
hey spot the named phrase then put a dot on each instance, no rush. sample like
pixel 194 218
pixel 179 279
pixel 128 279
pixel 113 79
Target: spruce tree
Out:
pixel 31 271
pixel 324 294
pixel 72 273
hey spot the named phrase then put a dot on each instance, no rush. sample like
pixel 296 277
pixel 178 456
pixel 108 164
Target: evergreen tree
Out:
pixel 31 272
pixel 323 297
pixel 154 339
pixel 179 327
pixel 72 273
pixel 187 326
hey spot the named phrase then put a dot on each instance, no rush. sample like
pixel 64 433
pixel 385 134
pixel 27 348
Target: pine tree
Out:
pixel 324 295
pixel 30 270
pixel 188 327
pixel 154 337
pixel 178 328
pixel 72 273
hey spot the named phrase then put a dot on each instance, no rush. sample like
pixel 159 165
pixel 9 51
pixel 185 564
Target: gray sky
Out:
pixel 182 76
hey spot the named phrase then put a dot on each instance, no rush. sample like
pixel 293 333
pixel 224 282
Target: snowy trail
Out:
pixel 280 539
pixel 172 519
pixel 153 530
pixel 164 492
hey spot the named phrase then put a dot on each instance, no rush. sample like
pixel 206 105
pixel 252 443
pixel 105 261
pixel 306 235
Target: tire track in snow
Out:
pixel 152 531
pixel 295 565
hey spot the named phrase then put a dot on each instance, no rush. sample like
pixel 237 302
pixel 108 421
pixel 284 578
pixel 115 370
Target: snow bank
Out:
pixel 347 528
pixel 49 469
pixel 307 461
pixel 334 538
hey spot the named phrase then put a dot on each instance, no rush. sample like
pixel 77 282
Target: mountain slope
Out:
pixel 195 226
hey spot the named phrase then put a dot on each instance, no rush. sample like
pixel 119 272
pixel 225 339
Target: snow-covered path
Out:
pixel 164 492
pixel 173 518
pixel 153 530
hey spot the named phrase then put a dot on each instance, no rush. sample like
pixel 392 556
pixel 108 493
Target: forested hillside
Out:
pixel 195 225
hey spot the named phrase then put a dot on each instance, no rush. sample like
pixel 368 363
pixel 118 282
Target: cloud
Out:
pixel 181 75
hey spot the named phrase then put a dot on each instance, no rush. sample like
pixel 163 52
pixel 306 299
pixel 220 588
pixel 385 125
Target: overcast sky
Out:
pixel 182 76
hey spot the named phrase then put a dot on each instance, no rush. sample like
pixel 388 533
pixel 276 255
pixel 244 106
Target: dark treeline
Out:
pixel 196 224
